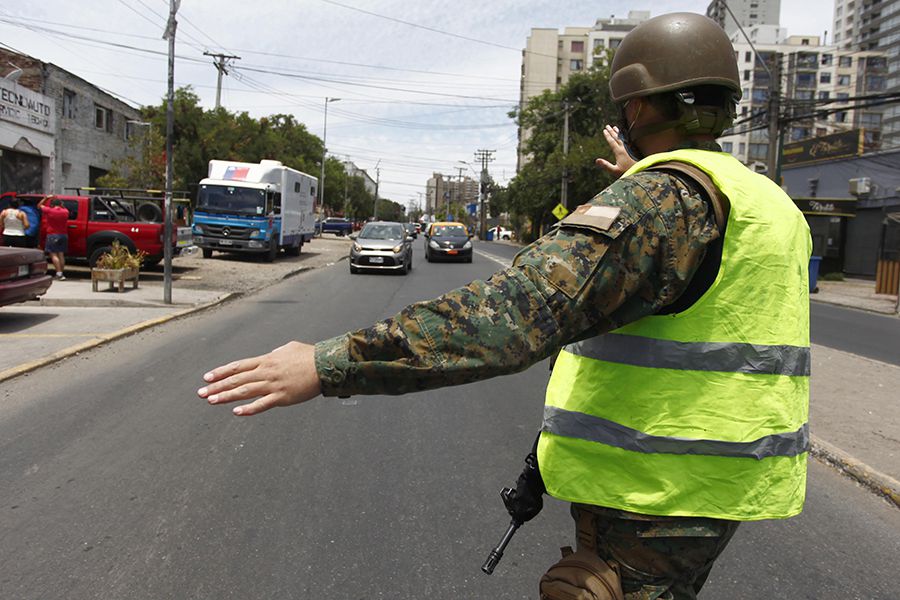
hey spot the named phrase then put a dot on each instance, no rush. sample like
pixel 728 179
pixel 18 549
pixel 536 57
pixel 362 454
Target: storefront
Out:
pixel 27 128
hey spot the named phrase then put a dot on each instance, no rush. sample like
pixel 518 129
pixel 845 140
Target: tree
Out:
pixel 535 190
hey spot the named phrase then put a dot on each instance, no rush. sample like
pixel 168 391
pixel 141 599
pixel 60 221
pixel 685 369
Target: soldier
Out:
pixel 678 405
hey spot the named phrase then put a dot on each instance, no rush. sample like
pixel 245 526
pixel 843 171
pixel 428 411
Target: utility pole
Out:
pixel 461 194
pixel 221 64
pixel 324 153
pixel 485 156
pixel 169 35
pixel 377 182
pixel 564 188
pixel 774 119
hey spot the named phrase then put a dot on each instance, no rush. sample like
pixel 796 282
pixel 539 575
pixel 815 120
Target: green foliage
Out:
pixel 119 257
pixel 536 189
pixel 201 135
pixel 833 276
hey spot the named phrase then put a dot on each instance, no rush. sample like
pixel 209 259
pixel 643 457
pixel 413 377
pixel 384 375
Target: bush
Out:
pixel 835 276
pixel 119 257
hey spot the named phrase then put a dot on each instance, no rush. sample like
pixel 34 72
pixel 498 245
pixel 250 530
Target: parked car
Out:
pixel 381 245
pixel 448 241
pixel 502 233
pixel 23 275
pixel 337 226
pixel 96 221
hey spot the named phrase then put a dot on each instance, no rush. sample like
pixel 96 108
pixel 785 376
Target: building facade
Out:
pixel 550 58
pixel 59 131
pixel 874 25
pixel 747 13
pixel 818 86
pixel 352 170
pixel 447 195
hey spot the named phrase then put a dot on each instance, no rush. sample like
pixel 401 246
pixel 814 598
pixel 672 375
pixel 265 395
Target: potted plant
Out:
pixel 117 266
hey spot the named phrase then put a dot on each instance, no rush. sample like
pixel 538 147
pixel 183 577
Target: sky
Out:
pixel 421 85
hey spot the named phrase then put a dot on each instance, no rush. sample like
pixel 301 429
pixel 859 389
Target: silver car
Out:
pixel 382 245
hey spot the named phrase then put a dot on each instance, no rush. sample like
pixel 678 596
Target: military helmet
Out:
pixel 672 52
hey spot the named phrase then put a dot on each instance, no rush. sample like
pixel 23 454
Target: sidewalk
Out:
pixel 854 415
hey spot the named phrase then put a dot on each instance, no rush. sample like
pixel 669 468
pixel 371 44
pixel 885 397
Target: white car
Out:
pixel 502 233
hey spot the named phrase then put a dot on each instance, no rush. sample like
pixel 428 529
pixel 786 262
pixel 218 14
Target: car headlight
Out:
pixel 468 244
pixel 357 247
pixel 398 248
pixel 434 244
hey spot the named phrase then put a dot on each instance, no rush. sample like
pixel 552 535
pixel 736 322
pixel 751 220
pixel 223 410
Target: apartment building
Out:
pixel 446 194
pixel 818 85
pixel 551 57
pixel 58 130
pixel 747 13
pixel 874 25
pixel 352 170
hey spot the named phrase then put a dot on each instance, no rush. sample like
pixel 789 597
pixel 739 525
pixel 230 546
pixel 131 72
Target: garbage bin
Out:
pixel 490 235
pixel 814 273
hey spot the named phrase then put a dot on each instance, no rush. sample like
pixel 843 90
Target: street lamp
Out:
pixel 324 153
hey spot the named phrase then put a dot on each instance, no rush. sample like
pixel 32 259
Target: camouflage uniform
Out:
pixel 575 282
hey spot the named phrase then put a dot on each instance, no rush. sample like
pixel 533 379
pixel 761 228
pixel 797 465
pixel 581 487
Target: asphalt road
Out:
pixel 116 481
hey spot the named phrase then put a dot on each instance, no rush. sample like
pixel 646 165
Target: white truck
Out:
pixel 256 208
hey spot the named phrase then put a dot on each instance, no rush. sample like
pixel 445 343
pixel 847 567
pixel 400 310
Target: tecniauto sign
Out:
pixel 836 145
pixel 27 108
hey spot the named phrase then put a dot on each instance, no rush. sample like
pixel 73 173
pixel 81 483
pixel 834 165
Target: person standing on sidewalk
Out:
pixel 678 300
pixel 14 222
pixel 57 243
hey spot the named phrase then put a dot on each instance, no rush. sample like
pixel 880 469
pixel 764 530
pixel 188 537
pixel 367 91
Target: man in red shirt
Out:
pixel 57 243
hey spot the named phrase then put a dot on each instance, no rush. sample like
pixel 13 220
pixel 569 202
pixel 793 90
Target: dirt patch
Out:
pixel 246 272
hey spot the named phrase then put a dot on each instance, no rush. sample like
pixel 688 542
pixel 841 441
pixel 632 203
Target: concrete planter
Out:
pixel 114 277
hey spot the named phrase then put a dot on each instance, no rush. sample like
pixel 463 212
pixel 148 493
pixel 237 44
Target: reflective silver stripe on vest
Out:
pixel 695 356
pixel 571 424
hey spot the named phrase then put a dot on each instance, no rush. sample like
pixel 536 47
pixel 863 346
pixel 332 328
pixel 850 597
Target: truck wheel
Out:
pixel 273 252
pixel 341 233
pixel 207 252
pixel 294 250
pixel 96 253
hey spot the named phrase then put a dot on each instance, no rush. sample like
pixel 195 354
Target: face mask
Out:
pixel 624 130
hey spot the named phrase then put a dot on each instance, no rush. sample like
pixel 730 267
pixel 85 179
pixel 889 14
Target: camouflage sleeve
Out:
pixel 579 280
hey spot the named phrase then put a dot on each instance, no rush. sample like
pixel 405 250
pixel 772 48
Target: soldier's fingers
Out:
pixel 238 366
pixel 253 389
pixel 254 408
pixel 230 383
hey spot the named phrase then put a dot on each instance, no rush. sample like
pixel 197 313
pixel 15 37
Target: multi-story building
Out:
pixel 445 194
pixel 551 57
pixel 746 12
pixel 352 170
pixel 58 130
pixel 874 25
pixel 818 84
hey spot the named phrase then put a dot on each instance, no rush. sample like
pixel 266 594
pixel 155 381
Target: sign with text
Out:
pixel 27 108
pixel 827 207
pixel 836 145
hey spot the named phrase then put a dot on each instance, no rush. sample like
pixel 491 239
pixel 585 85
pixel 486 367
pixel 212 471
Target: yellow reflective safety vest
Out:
pixel 704 412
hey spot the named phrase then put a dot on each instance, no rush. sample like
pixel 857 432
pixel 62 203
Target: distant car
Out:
pixel 23 275
pixel 502 233
pixel 412 230
pixel 381 245
pixel 448 241
pixel 337 226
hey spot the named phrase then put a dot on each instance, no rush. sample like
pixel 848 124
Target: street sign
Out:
pixel 559 211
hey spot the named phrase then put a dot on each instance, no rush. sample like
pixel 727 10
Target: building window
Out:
pixel 824 95
pixel 614 42
pixel 576 64
pixel 871 120
pixel 803 95
pixel 758 151
pixel 827 60
pixel 746 74
pixel 727 146
pixel 840 117
pixel 799 133
pixel 577 47
pixel 99 117
pixel 874 83
pixel 742 147
pixel 68 104
pixel 824 77
pixel 843 80
pixel 845 61
pixel 598 43
pixel 806 80
pixel 843 96
pixel 748 56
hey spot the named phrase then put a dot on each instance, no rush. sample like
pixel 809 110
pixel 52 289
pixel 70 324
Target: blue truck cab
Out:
pixel 256 208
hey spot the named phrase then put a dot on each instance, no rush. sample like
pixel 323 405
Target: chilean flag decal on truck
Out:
pixel 238 173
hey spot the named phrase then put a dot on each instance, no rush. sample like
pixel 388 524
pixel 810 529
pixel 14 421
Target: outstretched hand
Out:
pixel 285 376
pixel 620 154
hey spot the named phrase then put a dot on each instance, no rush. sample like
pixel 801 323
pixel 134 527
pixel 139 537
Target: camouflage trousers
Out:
pixel 664 558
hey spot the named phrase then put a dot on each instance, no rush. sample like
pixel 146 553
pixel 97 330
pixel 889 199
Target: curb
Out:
pixel 848 304
pixel 103 339
pixel 883 485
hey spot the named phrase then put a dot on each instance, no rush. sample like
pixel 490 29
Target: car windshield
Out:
pixel 382 232
pixel 230 199
pixel 448 231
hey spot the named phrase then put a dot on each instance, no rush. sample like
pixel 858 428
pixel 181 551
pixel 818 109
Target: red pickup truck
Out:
pixel 96 221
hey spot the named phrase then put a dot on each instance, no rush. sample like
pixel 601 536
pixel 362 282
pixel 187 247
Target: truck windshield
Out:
pixel 231 199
